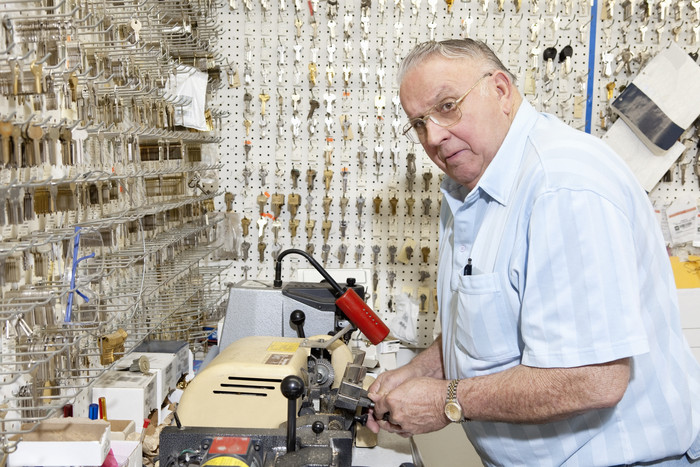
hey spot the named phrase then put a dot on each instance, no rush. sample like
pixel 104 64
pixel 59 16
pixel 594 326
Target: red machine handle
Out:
pixel 362 316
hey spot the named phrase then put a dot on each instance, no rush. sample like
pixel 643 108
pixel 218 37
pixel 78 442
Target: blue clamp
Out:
pixel 69 306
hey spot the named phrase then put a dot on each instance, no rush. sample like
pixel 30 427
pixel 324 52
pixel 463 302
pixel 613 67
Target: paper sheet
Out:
pixel 646 166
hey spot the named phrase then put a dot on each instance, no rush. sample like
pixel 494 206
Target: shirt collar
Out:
pixel 499 177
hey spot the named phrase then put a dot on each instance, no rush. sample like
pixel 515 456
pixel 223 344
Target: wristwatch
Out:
pixel 453 410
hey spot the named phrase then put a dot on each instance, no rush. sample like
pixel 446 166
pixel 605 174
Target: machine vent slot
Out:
pixel 264 380
pixel 248 386
pixel 240 393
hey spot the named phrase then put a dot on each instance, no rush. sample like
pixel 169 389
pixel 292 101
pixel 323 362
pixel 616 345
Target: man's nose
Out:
pixel 434 133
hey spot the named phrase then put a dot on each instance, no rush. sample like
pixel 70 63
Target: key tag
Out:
pixel 234 80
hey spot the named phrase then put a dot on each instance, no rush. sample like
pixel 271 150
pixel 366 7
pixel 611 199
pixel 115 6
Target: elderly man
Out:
pixel 561 341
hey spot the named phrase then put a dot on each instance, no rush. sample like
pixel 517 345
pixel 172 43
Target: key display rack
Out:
pixel 313 151
pixel 107 227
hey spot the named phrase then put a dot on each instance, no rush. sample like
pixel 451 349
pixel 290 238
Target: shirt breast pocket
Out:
pixel 487 329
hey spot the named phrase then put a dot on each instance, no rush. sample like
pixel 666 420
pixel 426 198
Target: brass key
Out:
pixel 277 202
pixel 293 225
pixel 409 205
pixel 425 252
pixel 377 202
pixel 263 99
pixel 293 202
pixel 327 177
pixel 37 71
pixel 245 223
pixel 262 201
pixel 327 200
pixel 5 133
pixel 393 202
pixel 310 176
pixel 310 224
pixel 326 228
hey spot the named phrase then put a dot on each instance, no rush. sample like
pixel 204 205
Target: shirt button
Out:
pixel 462 248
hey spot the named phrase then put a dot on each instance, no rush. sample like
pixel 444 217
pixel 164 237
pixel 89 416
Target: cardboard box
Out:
pixel 63 441
pixel 121 429
pixel 129 395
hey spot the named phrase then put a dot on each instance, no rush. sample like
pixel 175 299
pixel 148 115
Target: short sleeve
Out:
pixel 581 297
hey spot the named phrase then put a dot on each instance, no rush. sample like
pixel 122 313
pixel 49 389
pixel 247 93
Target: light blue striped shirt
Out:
pixel 576 273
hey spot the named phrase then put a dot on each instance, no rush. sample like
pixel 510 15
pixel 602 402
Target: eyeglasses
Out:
pixel 444 114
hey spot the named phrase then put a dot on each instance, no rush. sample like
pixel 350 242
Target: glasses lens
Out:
pixel 447 118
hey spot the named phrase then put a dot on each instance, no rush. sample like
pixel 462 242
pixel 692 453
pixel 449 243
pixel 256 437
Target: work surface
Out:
pixel 448 447
pixel 391 451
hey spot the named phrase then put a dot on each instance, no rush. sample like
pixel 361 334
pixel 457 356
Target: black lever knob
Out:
pixel 292 388
pixel 298 318
pixel 318 427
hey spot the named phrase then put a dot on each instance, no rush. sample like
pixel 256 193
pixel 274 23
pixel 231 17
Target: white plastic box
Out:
pixel 163 365
pixel 63 441
pixel 129 395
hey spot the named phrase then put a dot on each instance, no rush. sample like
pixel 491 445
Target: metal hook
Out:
pixel 7 50
pixel 49 67
pixel 11 116
pixel 46 57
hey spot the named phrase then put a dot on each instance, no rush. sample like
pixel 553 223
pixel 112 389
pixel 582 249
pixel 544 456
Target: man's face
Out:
pixel 462 151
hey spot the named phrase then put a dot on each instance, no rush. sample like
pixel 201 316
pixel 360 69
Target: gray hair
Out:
pixel 454 49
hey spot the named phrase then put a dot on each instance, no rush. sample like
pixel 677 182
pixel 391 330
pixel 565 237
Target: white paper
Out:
pixel 672 80
pixel 648 167
pixel 404 325
pixel 190 85
pixel 682 217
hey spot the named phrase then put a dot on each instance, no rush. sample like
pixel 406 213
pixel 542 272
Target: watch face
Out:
pixel 453 411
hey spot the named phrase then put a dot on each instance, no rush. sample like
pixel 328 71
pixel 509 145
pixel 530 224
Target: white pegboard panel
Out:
pixel 628 35
pixel 355 48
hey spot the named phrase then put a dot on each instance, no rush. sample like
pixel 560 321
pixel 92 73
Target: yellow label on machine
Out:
pixel 287 347
pixel 226 461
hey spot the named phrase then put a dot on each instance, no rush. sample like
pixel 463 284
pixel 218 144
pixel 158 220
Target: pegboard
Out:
pixel 272 47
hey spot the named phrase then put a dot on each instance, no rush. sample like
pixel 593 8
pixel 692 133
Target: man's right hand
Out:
pixel 382 386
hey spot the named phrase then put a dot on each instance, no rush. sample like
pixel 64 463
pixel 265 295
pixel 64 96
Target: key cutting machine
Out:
pixel 268 401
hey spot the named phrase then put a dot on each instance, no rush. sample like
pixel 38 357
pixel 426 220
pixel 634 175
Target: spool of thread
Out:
pixel 93 411
pixel 103 408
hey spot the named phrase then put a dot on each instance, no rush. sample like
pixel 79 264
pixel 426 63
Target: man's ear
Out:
pixel 504 89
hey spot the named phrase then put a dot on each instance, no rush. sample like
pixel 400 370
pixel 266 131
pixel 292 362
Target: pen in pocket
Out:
pixel 468 268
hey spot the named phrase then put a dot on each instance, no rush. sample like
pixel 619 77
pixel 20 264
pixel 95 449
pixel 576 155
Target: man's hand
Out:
pixel 411 405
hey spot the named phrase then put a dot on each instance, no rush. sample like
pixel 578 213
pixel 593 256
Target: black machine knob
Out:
pixel 318 427
pixel 297 318
pixel 292 388
pixel 351 281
